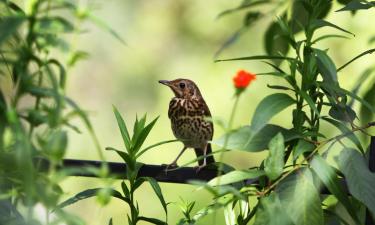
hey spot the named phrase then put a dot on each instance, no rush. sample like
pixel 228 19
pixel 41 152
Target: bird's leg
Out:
pixel 174 163
pixel 198 168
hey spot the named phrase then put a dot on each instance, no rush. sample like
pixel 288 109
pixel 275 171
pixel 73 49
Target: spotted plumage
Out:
pixel 188 113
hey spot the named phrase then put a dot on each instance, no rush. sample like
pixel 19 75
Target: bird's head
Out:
pixel 183 88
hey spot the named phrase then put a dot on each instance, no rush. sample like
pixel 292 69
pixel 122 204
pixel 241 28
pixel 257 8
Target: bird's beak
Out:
pixel 165 82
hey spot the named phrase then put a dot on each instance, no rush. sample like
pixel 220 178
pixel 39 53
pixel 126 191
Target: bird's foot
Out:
pixel 199 168
pixel 170 167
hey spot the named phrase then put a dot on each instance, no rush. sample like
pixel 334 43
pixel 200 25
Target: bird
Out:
pixel 188 113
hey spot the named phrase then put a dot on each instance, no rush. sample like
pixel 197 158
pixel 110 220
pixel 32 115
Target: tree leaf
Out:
pixel 244 5
pixel 322 23
pixel 365 114
pixel 244 139
pixel 275 41
pixel 124 131
pixel 326 67
pixel 274 163
pixel 345 130
pixel 154 184
pixel 269 107
pixel 300 199
pixel 302 147
pixel 271 212
pixel 357 5
pixel 342 112
pixel 143 135
pixel 329 178
pixel 152 220
pixel 88 194
pixel 125 156
pixel 257 57
pixel 236 176
pixel 9 25
pixel 360 179
pixel 370 51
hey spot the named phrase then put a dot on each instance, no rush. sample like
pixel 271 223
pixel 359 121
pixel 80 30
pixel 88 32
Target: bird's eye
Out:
pixel 182 85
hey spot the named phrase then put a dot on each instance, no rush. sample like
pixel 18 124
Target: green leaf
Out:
pixel 123 130
pixel 360 179
pixel 275 41
pixel 54 24
pixel 370 51
pixel 326 67
pixel 244 139
pixel 345 130
pixel 302 147
pixel 271 212
pixel 315 24
pixel 152 220
pixel 236 176
pixel 154 184
pixel 242 6
pixel 110 222
pixel 9 25
pixel 88 194
pixel 125 156
pixel 365 114
pixel 328 36
pixel 342 112
pixel 300 199
pixel 274 163
pixel 257 57
pixel 153 146
pixel 357 5
pixel 329 178
pixel 269 107
pixel 143 135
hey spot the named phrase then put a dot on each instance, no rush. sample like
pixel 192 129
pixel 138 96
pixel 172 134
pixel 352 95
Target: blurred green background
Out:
pixel 171 39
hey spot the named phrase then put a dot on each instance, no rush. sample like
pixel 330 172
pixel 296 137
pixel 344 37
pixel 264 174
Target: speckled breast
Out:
pixel 188 122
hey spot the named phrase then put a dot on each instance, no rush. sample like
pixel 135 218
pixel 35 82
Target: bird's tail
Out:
pixel 209 159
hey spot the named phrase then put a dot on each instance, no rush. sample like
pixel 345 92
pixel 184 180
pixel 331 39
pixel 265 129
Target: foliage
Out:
pixel 35 112
pixel 289 180
pixel 133 146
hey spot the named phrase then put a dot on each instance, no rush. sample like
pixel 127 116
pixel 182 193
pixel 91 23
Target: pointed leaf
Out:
pixel 326 67
pixel 154 184
pixel 322 23
pixel 360 179
pixel 271 212
pixel 302 147
pixel 329 178
pixel 236 176
pixel 300 199
pixel 269 107
pixel 143 134
pixel 257 57
pixel 152 220
pixel 123 129
pixel 274 163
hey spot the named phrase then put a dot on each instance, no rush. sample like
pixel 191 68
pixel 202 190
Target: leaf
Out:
pixel 110 222
pixel 152 220
pixel 342 112
pixel 244 139
pixel 54 25
pixel 269 107
pixel 257 57
pixel 315 24
pixel 360 179
pixel 345 130
pixel 125 156
pixel 271 212
pixel 357 5
pixel 326 67
pixel 154 184
pixel 143 135
pixel 9 25
pixel 236 176
pixel 123 129
pixel 88 194
pixel 274 163
pixel 302 147
pixel 329 178
pixel 275 41
pixel 300 199
pixel 365 114
pixel 242 6
pixel 328 36
pixel 370 51
pixel 153 146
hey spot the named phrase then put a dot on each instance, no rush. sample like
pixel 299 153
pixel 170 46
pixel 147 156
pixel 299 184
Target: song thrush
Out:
pixel 188 113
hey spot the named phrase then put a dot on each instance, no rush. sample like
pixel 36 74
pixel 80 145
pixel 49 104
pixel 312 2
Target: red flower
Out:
pixel 243 79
